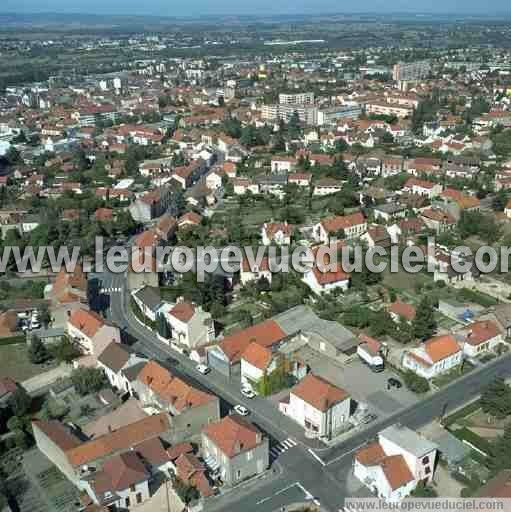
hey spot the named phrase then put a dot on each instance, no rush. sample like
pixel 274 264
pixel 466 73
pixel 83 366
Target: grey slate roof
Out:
pixel 150 296
pixel 408 439
pixel 303 319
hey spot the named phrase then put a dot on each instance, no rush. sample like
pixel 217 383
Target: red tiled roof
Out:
pixel 481 332
pixel 183 311
pixel 87 322
pixel 334 224
pixel 233 435
pixel 441 347
pixel 122 439
pixel 172 389
pixel 319 393
pixel 257 356
pixel 266 334
pixel 402 309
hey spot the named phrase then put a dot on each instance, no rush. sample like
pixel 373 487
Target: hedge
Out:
pixel 473 439
pixel 458 415
pixel 13 340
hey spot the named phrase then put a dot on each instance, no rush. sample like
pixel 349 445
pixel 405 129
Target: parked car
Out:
pixel 202 368
pixel 247 392
pixel 241 410
pixel 368 418
pixel 394 383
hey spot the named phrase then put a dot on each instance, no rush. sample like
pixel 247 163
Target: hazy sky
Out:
pixel 197 7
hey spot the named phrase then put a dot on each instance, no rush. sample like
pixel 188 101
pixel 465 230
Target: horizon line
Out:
pixel 480 14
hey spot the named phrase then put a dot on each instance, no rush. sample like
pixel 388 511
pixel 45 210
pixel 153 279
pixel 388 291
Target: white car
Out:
pixel 202 368
pixel 242 411
pixel 247 393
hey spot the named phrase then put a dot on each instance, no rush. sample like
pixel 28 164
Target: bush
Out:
pixel 88 380
pixel 64 351
pixel 416 383
pixel 37 352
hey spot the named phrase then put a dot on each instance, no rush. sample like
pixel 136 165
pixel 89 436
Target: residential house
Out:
pixel 301 179
pixel 438 220
pixel 438 355
pixel 94 465
pixel 347 226
pixel 400 311
pixel 320 407
pixel 190 326
pixel 243 185
pixel 327 186
pixel 235 449
pixel 396 463
pixel 278 233
pixel 225 357
pixel 377 236
pixel 256 362
pixel 256 271
pixel 423 188
pixel 387 211
pixel 323 280
pixel 148 301
pixel 190 408
pixel 116 358
pixel 151 205
pixel 283 164
pixel 66 295
pixel 480 337
pixel 90 332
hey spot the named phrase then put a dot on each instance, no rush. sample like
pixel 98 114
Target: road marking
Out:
pixel 346 453
pixel 283 446
pixel 321 461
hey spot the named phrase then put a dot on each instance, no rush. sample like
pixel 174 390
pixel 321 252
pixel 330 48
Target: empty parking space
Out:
pixel 362 384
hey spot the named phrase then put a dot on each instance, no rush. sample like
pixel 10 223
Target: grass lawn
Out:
pixel 15 363
pixel 405 283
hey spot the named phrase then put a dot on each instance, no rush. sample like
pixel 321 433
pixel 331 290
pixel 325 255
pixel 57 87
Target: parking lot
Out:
pixel 362 384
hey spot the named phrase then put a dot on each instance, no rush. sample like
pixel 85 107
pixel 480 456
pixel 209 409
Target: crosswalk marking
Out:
pixel 110 290
pixel 283 446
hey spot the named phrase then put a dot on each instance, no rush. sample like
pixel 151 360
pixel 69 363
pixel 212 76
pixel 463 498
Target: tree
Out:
pixel 185 491
pixel 424 491
pixel 416 383
pixel 37 352
pixel 64 351
pixel 88 380
pixel 20 402
pixel 424 324
pixel 496 399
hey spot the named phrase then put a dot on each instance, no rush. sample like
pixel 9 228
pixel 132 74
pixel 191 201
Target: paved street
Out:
pixel 325 472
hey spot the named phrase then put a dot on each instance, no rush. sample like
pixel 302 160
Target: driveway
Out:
pixel 362 384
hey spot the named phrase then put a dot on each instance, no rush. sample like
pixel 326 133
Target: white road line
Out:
pixel 321 461
pixel 287 444
pixel 345 454
pixel 293 442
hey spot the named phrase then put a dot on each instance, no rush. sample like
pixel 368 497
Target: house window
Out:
pixel 238 474
pixel 322 346
pixel 425 460
pixel 127 502
pixel 428 470
pixel 250 455
pixel 139 497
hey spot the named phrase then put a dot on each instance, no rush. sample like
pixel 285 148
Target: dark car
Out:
pixel 394 383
